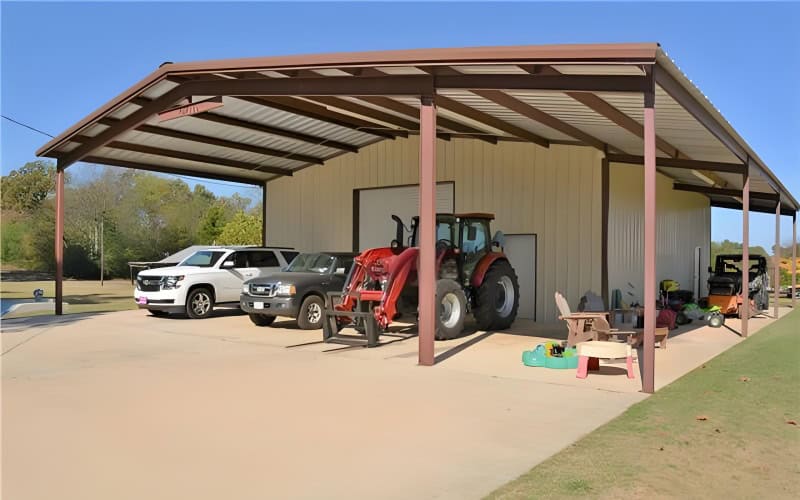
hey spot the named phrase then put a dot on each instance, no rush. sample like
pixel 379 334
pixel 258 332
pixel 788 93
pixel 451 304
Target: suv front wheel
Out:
pixel 199 303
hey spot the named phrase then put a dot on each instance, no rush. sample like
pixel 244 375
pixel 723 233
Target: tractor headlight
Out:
pixel 171 282
pixel 285 290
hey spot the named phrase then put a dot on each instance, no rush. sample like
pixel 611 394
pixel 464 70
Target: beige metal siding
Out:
pixel 553 193
pixel 683 220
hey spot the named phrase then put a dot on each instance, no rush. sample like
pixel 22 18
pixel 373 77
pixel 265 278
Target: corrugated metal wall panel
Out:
pixel 684 222
pixel 554 193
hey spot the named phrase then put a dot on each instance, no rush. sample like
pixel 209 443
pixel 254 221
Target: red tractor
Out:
pixel 473 275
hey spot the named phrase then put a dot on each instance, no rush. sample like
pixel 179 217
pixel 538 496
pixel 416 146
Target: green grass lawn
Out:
pixel 747 446
pixel 81 295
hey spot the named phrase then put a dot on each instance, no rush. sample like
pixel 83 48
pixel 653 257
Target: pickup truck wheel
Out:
pixel 261 319
pixel 199 303
pixel 310 315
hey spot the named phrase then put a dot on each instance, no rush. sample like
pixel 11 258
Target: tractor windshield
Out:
pixel 446 230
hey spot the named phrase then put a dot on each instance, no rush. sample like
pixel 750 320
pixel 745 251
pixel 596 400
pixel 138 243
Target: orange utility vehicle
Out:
pixel 725 284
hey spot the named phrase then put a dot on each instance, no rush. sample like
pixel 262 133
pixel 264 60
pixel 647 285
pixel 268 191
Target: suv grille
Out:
pixel 148 283
pixel 265 290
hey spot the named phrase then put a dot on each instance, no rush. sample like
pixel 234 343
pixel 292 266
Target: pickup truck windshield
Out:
pixel 203 258
pixel 311 263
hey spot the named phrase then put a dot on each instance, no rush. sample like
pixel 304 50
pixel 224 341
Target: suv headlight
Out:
pixel 286 290
pixel 171 282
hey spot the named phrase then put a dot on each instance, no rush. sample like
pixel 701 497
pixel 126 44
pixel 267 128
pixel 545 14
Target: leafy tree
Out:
pixel 211 225
pixel 13 230
pixel 25 189
pixel 786 277
pixel 242 230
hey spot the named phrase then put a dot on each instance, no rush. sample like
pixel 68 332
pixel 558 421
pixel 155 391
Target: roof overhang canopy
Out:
pixel 254 120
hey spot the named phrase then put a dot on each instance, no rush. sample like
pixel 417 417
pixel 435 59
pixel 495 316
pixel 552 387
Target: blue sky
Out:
pixel 60 61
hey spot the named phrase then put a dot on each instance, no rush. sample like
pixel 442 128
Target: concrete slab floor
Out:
pixel 124 405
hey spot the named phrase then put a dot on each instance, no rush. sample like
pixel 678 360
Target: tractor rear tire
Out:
pixel 497 298
pixel 451 309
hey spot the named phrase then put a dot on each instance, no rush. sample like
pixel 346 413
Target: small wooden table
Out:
pixel 589 354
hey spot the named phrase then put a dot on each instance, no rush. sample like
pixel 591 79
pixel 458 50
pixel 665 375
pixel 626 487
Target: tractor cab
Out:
pixel 462 241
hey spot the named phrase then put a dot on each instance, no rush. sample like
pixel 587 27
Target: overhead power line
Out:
pixel 183 177
pixel 28 126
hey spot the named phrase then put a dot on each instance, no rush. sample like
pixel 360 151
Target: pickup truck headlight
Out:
pixel 286 290
pixel 171 282
pixel 245 288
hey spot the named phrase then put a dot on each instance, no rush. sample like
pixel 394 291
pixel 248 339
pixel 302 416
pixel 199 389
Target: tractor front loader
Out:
pixel 473 276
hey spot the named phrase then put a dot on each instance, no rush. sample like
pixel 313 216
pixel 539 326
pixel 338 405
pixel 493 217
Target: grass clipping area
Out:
pixel 726 429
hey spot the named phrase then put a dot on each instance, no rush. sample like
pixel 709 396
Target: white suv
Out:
pixel 207 277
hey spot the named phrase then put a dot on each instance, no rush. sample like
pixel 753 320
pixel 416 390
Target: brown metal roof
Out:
pixel 281 114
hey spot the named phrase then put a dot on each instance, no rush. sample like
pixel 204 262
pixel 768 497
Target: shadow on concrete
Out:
pixel 45 320
pixel 222 312
pixel 460 347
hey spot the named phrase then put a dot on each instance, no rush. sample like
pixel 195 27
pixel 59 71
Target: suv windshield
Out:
pixel 203 258
pixel 311 263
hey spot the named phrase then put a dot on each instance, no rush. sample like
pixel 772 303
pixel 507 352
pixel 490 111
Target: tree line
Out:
pixel 142 216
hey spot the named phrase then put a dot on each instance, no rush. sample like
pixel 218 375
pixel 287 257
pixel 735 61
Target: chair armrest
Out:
pixel 581 315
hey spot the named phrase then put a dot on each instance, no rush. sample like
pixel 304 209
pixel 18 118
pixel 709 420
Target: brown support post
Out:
pixel 794 259
pixel 777 285
pixel 648 378
pixel 745 248
pixel 59 241
pixel 264 214
pixel 605 174
pixel 427 229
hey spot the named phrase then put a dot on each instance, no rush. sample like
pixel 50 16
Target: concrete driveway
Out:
pixel 124 405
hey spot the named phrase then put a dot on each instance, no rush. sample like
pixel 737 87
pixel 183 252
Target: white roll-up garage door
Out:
pixel 376 206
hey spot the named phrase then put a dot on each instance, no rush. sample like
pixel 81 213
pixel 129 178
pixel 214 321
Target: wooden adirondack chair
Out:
pixel 579 324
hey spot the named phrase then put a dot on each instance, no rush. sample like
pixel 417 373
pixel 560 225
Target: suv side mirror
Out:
pixel 228 264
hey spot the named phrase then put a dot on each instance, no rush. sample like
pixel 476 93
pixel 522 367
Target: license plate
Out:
pixel 142 300
pixel 258 305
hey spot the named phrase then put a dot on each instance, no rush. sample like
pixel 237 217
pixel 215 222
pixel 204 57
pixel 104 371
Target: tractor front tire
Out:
pixel 451 309
pixel 497 298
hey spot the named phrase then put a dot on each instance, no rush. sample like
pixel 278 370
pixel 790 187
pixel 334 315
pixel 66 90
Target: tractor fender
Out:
pixel 484 265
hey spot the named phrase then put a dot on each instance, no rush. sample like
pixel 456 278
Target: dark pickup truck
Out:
pixel 297 292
